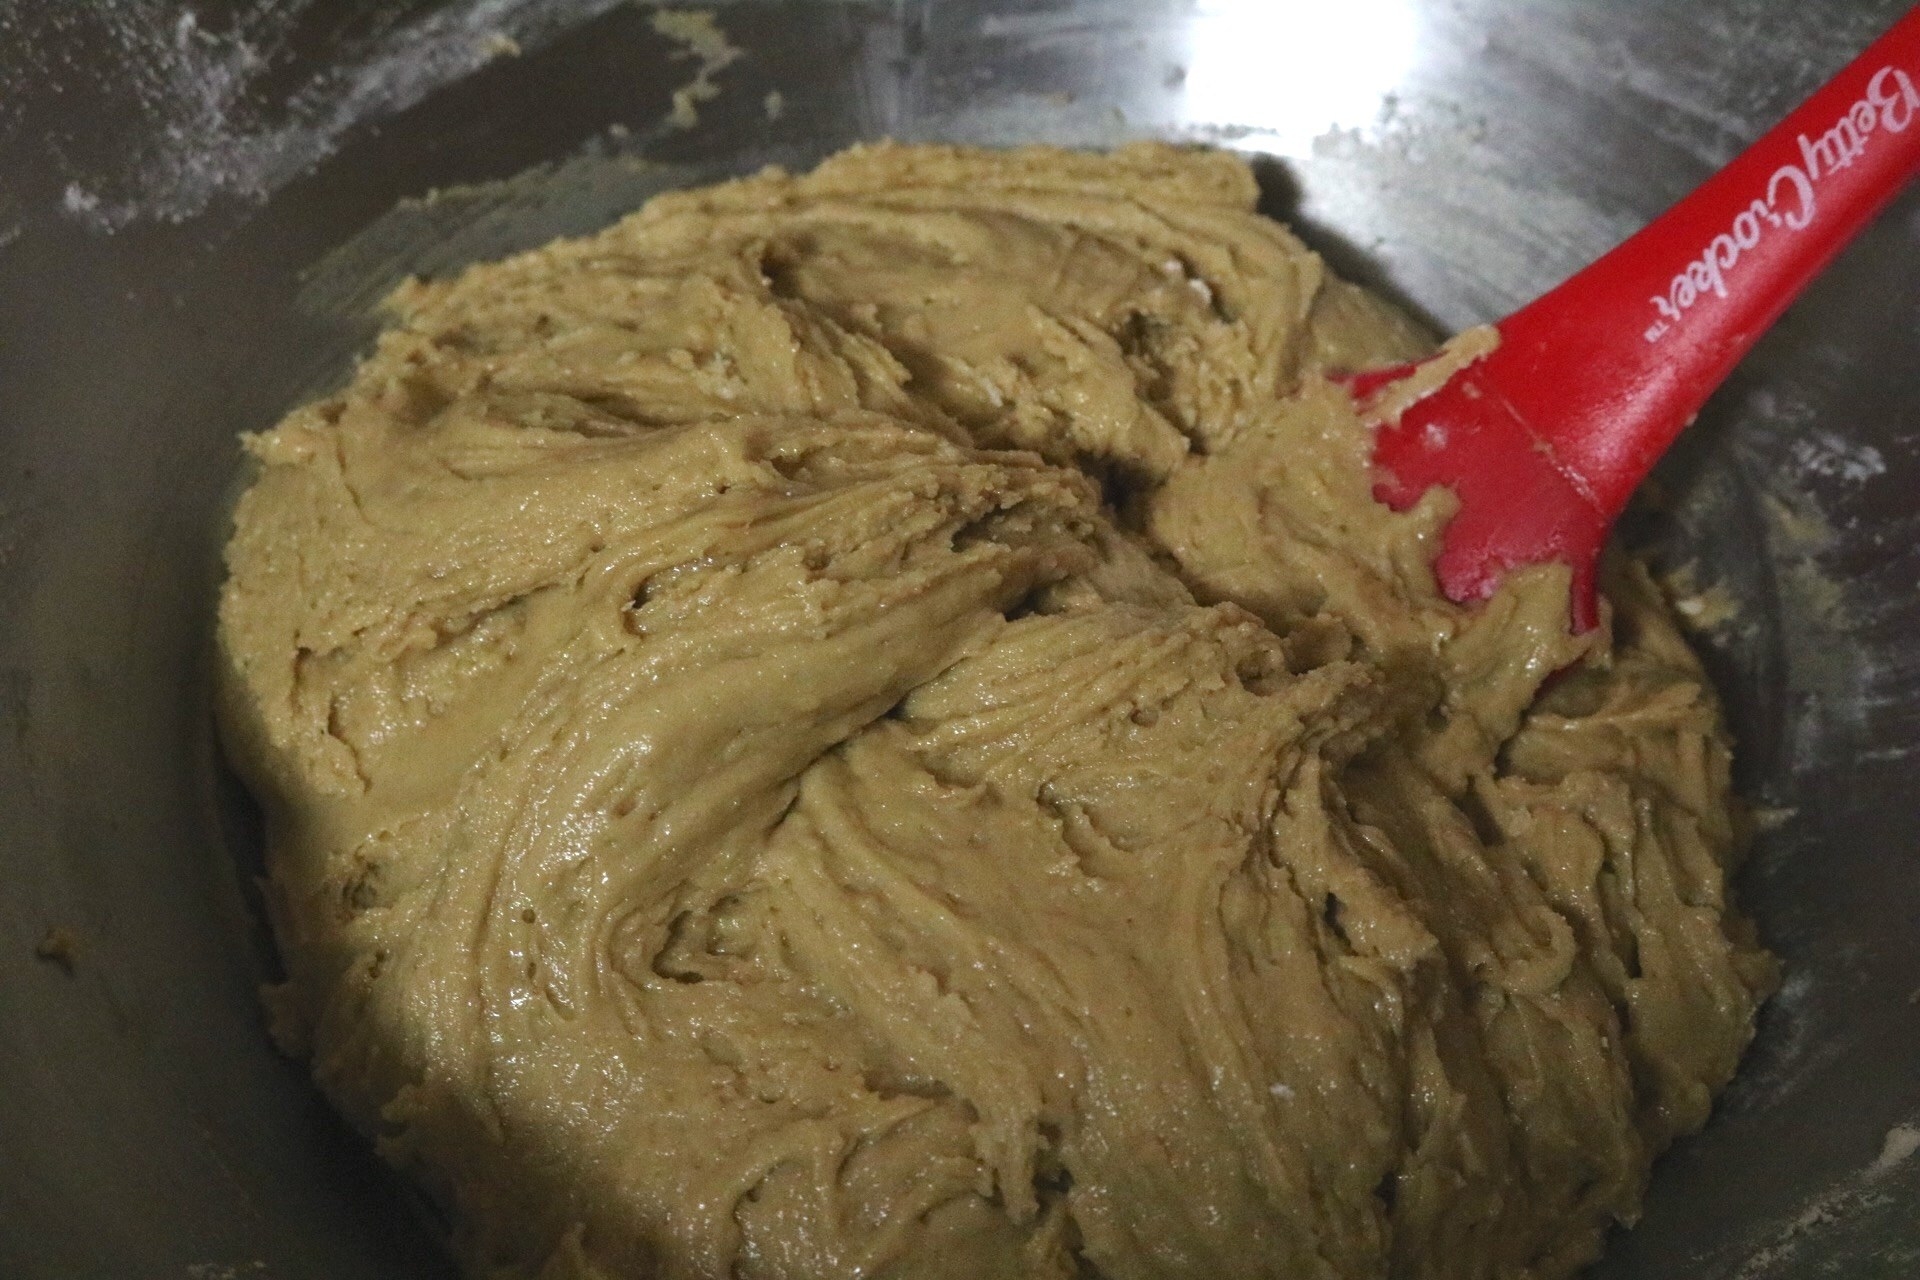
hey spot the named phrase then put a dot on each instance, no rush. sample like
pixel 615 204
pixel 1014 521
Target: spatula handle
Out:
pixel 1611 365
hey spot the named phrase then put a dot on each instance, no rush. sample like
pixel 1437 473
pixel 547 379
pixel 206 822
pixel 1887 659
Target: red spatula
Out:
pixel 1544 439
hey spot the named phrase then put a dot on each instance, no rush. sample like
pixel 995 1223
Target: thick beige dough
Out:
pixel 868 724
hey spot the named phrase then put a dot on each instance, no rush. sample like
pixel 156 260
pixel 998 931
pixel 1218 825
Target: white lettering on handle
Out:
pixel 1891 103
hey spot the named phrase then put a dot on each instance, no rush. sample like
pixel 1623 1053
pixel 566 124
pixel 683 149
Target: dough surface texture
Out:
pixel 868 724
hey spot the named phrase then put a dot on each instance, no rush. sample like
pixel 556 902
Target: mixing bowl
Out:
pixel 200 205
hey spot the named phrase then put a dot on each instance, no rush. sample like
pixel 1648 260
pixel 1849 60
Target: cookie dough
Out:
pixel 869 724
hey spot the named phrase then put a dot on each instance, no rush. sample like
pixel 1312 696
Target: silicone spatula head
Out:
pixel 1545 434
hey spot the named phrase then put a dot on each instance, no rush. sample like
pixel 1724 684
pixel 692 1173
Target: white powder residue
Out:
pixel 77 200
pixel 1847 1197
pixel 204 131
pixel 1815 449
pixel 1902 1141
pixel 225 1270
pixel 501 45
pixel 1825 453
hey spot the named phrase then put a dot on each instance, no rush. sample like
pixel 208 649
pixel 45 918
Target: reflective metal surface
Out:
pixel 198 204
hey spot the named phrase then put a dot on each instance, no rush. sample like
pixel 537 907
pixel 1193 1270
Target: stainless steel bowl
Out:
pixel 199 204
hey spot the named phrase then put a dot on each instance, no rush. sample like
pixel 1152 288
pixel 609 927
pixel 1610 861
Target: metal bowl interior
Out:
pixel 201 206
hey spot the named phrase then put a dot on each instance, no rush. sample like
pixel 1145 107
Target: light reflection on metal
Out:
pixel 1300 68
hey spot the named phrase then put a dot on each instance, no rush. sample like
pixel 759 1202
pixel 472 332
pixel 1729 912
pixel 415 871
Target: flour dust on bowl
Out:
pixel 152 1130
